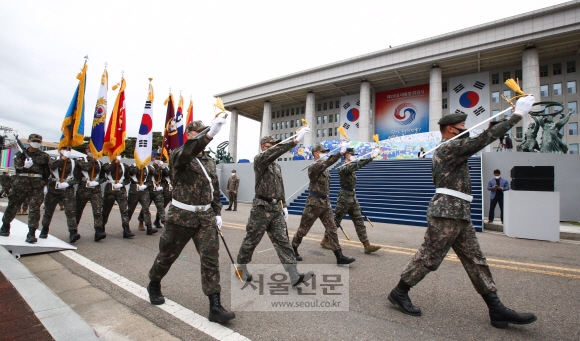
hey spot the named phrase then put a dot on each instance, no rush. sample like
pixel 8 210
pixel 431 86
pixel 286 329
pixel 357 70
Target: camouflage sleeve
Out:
pixel 354 166
pixel 165 172
pixel 237 184
pixel 263 160
pixel 55 164
pixel 84 165
pixel 216 203
pixel 127 179
pixel 107 167
pixel 102 178
pixel 77 176
pixel 19 162
pixel 318 167
pixel 191 147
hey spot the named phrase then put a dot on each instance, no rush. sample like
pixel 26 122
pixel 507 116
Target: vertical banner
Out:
pixel 470 95
pixel 350 114
pixel 402 112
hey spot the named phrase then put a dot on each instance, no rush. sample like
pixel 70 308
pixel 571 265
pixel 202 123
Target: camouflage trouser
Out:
pixel 53 198
pixel 272 222
pixel 5 190
pixel 26 201
pixel 355 213
pixel 205 238
pixel 140 197
pixel 233 199
pixel 109 200
pixel 95 195
pixel 309 216
pixel 34 196
pixel 443 234
pixel 158 199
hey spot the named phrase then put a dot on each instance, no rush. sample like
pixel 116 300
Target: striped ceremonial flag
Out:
pixel 189 118
pixel 73 125
pixel 99 119
pixel 116 131
pixel 179 120
pixel 144 143
pixel 170 138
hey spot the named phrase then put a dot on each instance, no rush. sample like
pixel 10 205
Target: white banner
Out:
pixel 350 115
pixel 470 94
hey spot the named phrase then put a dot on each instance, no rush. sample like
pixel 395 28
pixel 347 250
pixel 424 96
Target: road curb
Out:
pixel 563 235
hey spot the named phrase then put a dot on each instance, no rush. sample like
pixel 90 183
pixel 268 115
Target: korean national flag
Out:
pixel 470 94
pixel 349 115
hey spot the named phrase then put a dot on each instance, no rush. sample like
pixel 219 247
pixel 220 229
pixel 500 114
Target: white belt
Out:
pixel 453 193
pixel 30 175
pixel 191 208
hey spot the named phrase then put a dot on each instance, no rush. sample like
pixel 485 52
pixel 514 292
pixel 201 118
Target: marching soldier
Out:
pixel 318 203
pixel 194 213
pixel 6 183
pixel 92 176
pixel 141 185
pixel 117 174
pixel 347 202
pixel 61 189
pixel 233 184
pixel 158 174
pixel 449 218
pixel 269 209
pixel 32 173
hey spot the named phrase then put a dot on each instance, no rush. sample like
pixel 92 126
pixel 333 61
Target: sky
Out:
pixel 198 49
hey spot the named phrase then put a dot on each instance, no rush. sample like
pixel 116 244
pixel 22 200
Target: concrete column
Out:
pixel 435 98
pixel 266 119
pixel 309 117
pixel 531 79
pixel 364 131
pixel 233 146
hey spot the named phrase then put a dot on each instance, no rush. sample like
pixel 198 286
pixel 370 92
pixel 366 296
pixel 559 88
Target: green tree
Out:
pixel 129 151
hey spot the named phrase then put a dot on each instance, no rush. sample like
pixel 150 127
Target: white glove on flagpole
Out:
pixel 142 187
pixel 343 146
pixel 216 126
pixel 524 105
pixel 28 163
pixel 218 222
pixel 301 133
pixel 93 183
pixel 63 184
pixel 117 185
pixel 159 188
pixel 45 190
pixel 375 153
pixel 285 209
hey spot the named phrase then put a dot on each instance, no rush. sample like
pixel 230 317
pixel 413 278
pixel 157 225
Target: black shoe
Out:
pixel 150 230
pixel 44 232
pixel 228 209
pixel 296 278
pixel 5 230
pixel 243 270
pixel 342 259
pixel 99 234
pixel 155 295
pixel 400 298
pixel 30 237
pixel 217 313
pixel 501 316
pixel 127 232
pixel 157 224
pixel 490 222
pixel 298 257
pixel 73 236
pixel 235 209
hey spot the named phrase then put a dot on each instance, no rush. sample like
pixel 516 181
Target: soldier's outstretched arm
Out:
pixel 468 147
pixel 318 167
pixel 262 160
pixel 55 164
pixel 191 147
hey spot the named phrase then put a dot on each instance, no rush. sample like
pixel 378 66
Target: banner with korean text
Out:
pixel 402 112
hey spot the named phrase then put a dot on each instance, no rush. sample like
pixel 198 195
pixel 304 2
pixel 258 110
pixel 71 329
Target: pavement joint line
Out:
pixel 201 323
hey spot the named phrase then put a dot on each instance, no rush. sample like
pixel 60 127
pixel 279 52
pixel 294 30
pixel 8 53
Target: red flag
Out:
pixel 116 131
pixel 170 138
pixel 188 119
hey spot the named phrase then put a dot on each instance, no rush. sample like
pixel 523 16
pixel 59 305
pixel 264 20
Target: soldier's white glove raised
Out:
pixel 63 185
pixel 524 105
pixel 117 185
pixel 142 187
pixel 285 209
pixel 159 188
pixel 218 222
pixel 45 190
pixel 93 183
pixel 343 146
pixel 301 133
pixel 375 153
pixel 216 126
pixel 28 163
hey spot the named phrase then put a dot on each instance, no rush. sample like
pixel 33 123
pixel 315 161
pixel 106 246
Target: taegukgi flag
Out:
pixel 98 128
pixel 144 144
pixel 349 115
pixel 470 95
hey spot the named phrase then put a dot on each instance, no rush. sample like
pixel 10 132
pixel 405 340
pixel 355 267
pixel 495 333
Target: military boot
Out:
pixel 246 275
pixel 298 257
pixel 141 226
pixel 399 297
pixel 61 207
pixel 5 230
pixel 127 232
pixel 157 224
pixel 73 236
pixel 217 313
pixel 44 232
pixel 18 212
pixel 342 259
pixel 501 316
pixel 150 230
pixel 229 208
pixel 325 243
pixel 235 208
pixel 296 277
pixel 370 248
pixel 25 212
pixel 99 234
pixel 30 237
pixel 155 295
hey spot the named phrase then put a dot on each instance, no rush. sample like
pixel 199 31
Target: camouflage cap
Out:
pixel 268 139
pixel 351 151
pixel 319 148
pixel 35 138
pixel 452 119
pixel 195 126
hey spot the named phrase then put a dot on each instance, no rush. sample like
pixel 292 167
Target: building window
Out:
pixel 330 118
pixel 277 125
pixel 286 135
pixel 329 131
pixel 573 148
pixel 571 87
pixel 507 93
pixel 319 106
pixel 571 66
pixel 507 75
pixel 544 91
pixel 519 132
pixel 287 112
pixel 336 117
pixel 335 131
pixel 317 132
pixel 297 123
pixel 273 126
pixel 444 87
pixel 557 89
pixel 557 69
pixel 495 78
pixel 444 103
pixel 273 114
pixel 495 97
pixel 573 128
pixel 276 136
pixel 278 114
pixel 323 132
pixel 331 105
pixel 292 124
pixel 543 70
pixel 572 108
pixel 292 112
pixel 303 110
pixel 287 124
pixel 318 120
pixel 336 105
pixel 324 119
pixel 519 75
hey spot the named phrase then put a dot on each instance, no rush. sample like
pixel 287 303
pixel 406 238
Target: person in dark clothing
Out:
pixel 496 186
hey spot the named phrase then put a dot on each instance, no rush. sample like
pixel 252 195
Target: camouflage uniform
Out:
pixel 111 194
pixel 90 170
pixel 191 187
pixel 449 217
pixel 233 184
pixel 6 183
pixel 318 203
pixel 26 188
pixel 67 195
pixel 158 175
pixel 142 197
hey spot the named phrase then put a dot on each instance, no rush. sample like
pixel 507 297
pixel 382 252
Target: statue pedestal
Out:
pixel 532 215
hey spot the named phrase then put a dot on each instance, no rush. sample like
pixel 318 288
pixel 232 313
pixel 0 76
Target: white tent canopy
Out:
pixel 73 153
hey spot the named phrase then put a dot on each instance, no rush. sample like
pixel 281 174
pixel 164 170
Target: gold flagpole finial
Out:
pixel 150 79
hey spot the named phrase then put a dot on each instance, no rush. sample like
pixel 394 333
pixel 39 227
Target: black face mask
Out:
pixel 464 136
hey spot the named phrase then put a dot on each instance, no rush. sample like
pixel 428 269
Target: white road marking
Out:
pixel 5 204
pixel 193 319
pixel 266 250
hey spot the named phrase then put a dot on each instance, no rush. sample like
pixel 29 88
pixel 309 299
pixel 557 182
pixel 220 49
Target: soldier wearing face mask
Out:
pixel 32 173
pixel 233 184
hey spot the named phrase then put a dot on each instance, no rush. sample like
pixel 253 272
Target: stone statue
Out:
pixel 530 144
pixel 222 156
pixel 551 137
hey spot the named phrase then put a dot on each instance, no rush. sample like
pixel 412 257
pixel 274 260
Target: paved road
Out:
pixel 534 276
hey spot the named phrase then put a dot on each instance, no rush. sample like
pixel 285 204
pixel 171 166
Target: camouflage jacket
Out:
pixel 5 180
pixel 450 170
pixel 148 173
pixel 268 175
pixel 320 180
pixel 161 175
pixel 94 170
pixel 40 166
pixel 116 173
pixel 348 180
pixel 57 166
pixel 190 185
pixel 233 183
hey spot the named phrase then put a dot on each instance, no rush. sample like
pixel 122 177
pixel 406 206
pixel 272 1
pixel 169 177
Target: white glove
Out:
pixel 45 190
pixel 218 222
pixel 524 105
pixel 28 163
pixel 343 146
pixel 301 134
pixel 160 163
pixel 159 188
pixel 285 209
pixel 216 126
pixel 63 184
pixel 93 183
pixel 65 153
pixel 117 185
pixel 142 187
pixel 375 153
